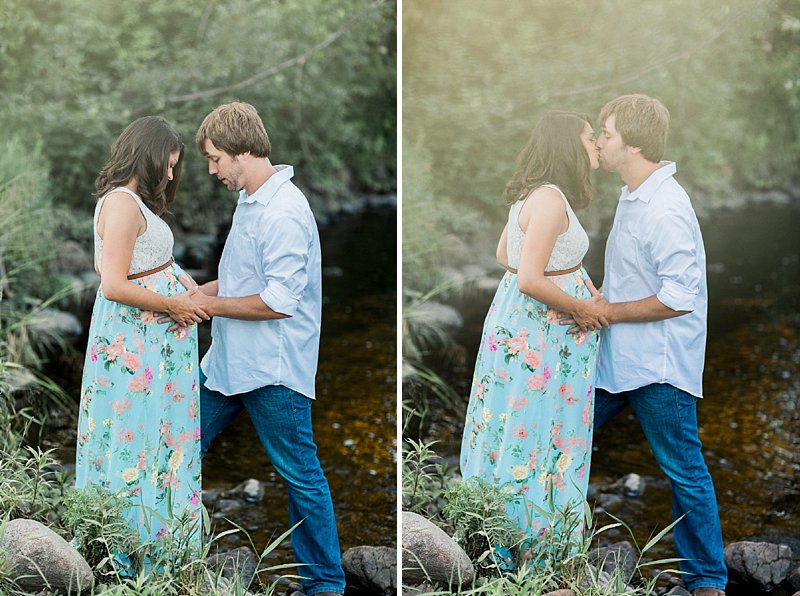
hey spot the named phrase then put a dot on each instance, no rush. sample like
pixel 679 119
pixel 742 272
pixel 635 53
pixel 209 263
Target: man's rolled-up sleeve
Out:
pixel 674 253
pixel 284 258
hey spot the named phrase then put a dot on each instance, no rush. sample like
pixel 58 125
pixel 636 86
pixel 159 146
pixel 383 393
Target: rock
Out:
pixel 210 496
pixel 794 578
pixel 423 588
pixel 239 562
pixel 678 591
pixel 38 558
pixel 221 586
pixel 594 579
pixel 763 564
pixel 429 554
pixel 372 568
pixel 630 485
pixel 250 491
pixel 633 485
pixel 436 315
pixel 225 506
pixel 621 554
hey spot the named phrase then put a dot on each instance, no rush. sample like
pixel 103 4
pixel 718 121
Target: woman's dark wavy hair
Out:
pixel 142 152
pixel 554 155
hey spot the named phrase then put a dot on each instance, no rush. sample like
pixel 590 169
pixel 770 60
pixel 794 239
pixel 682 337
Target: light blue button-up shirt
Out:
pixel 272 250
pixel 655 248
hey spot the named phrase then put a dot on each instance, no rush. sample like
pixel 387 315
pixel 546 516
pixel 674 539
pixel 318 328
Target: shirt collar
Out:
pixel 268 190
pixel 647 189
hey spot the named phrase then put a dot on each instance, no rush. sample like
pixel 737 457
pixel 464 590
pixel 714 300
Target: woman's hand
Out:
pixel 589 314
pixel 183 310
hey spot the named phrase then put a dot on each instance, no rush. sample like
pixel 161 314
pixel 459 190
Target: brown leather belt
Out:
pixel 552 273
pixel 151 271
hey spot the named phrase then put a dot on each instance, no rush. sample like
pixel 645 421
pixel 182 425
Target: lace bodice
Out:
pixel 569 249
pixel 152 249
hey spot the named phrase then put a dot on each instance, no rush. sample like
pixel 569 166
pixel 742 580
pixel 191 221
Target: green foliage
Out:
pixel 477 512
pixel 28 244
pixel 321 73
pixel 473 512
pixel 28 486
pixel 425 479
pixel 95 519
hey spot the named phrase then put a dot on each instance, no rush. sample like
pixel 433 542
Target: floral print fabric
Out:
pixel 139 420
pixel 530 413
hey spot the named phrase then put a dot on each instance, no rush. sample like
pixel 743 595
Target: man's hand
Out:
pixel 194 297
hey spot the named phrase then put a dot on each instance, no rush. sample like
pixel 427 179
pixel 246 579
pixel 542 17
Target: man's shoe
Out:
pixel 708 592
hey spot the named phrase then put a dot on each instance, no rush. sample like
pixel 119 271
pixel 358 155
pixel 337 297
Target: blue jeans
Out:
pixel 282 419
pixel 668 417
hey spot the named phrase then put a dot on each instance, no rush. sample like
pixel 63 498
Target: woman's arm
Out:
pixel 543 218
pixel 502 248
pixel 120 222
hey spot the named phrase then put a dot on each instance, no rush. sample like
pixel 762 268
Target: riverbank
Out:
pixel 354 415
pixel 749 420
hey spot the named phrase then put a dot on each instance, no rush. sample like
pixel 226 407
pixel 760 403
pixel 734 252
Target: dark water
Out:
pixel 750 416
pixel 354 416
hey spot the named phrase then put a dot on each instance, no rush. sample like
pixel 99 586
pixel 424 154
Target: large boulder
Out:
pixel 38 558
pixel 429 554
pixel 371 568
pixel 761 564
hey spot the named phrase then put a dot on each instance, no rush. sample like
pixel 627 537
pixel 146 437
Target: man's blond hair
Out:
pixel 642 121
pixel 234 128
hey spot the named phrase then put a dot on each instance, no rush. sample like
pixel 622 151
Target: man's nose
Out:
pixel 212 167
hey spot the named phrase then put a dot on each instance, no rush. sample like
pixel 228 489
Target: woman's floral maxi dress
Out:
pixel 530 413
pixel 139 419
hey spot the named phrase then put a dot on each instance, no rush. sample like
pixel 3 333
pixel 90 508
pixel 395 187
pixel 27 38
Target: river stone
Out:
pixel 221 586
pixel 443 561
pixel 794 578
pixel 250 491
pixel 239 562
pixel 762 563
pixel 38 558
pixel 621 554
pixel 371 568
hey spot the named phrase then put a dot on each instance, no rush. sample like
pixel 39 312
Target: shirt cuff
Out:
pixel 279 298
pixel 675 296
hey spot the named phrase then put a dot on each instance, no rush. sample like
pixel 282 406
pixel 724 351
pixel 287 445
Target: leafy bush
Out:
pixel 477 512
pixel 424 479
pixel 95 518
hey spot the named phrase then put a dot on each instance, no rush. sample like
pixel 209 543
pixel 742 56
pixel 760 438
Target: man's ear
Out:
pixel 634 149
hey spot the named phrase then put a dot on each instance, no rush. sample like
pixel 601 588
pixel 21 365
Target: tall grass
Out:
pixel 28 285
pixel 474 514
pixel 31 487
